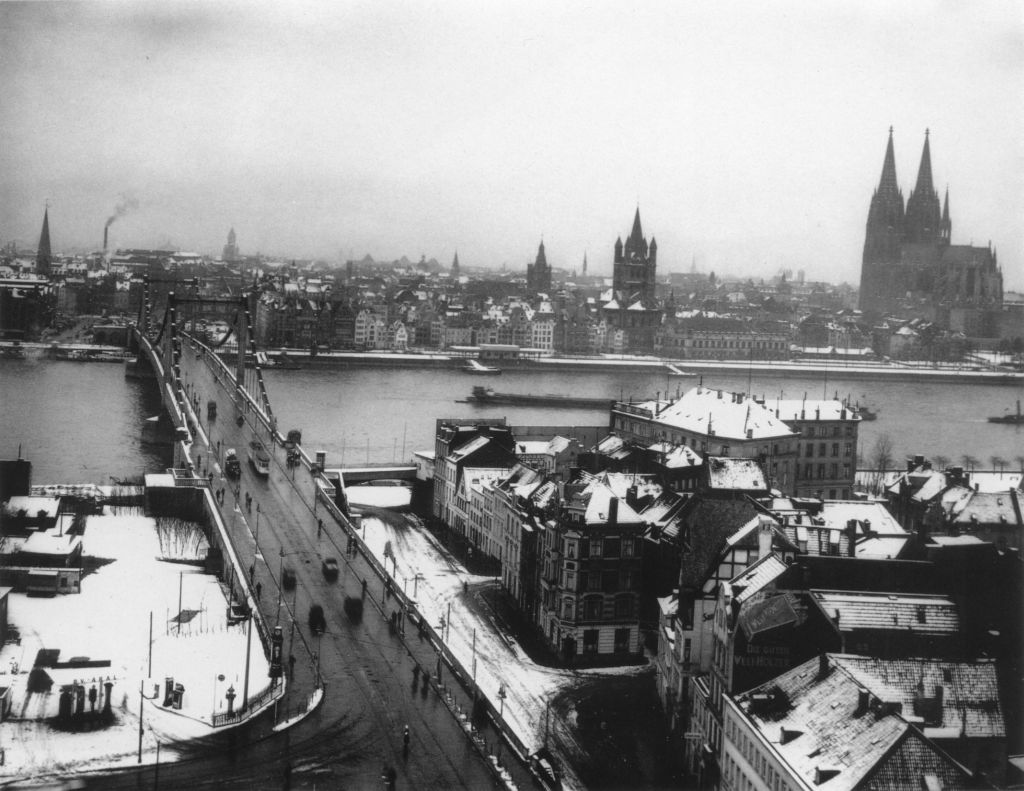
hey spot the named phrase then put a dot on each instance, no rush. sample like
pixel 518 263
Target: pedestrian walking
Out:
pixel 252 572
pixel 259 590
pixel 291 666
pixel 319 528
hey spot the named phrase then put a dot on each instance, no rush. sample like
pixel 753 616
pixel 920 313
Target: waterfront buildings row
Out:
pixel 682 315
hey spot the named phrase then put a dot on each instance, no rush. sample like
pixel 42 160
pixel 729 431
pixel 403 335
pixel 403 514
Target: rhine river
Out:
pixel 82 422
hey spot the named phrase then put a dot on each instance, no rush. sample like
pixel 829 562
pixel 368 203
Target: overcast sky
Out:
pixel 752 135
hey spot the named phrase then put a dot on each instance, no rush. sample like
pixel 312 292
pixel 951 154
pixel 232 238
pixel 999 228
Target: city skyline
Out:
pixel 751 139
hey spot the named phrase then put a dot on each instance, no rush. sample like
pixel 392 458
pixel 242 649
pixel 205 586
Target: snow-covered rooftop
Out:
pixel 718 413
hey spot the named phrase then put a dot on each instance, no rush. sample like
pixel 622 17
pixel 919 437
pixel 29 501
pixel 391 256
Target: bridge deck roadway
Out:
pixel 367 670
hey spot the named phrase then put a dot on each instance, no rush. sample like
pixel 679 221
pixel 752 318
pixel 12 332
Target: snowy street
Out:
pixel 428 570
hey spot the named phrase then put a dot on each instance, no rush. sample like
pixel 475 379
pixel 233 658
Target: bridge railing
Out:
pixel 323 488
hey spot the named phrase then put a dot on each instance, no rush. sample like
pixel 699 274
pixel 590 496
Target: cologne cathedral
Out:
pixel 912 268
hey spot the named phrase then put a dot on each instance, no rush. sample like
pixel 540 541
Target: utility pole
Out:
pixel 248 650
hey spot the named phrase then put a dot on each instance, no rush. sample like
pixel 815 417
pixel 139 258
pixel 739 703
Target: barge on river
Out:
pixel 485 395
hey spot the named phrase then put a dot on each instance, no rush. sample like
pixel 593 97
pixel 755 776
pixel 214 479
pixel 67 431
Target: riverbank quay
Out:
pixel 76 352
pixel 861 371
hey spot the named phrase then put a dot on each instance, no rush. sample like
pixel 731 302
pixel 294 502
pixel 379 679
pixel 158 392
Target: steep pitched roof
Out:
pixel 707 526
pixel 720 414
pixel 916 613
pixel 821 729
pixel 970 699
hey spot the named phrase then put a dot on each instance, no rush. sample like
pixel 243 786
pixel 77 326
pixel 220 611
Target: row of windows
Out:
pixel 748 748
pixel 600 547
pixel 737 344
pixel 823 449
pixel 592 608
pixel 590 641
pixel 608 581
pixel 831 469
pixel 829 431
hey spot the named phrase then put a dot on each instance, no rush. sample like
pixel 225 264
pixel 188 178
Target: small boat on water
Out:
pixel 1011 419
pixel 477 367
pixel 485 395
pixel 282 361
pixel 866 413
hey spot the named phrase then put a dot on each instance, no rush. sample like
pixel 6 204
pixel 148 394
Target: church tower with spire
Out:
pixel 230 252
pixel 44 256
pixel 634 267
pixel 455 265
pixel 633 308
pixel 924 215
pixel 885 215
pixel 910 266
pixel 538 274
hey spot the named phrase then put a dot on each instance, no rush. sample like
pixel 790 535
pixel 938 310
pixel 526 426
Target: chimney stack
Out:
pixel 851 537
pixel 105 229
pixel 613 512
pixel 764 537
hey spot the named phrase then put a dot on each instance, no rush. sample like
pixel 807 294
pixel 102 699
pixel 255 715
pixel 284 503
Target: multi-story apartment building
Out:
pixel 459 444
pixel 808 448
pixel 713 422
pixel 826 463
pixel 723 338
pixel 591 558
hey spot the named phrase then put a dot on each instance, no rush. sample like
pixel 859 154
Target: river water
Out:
pixel 367 414
pixel 82 422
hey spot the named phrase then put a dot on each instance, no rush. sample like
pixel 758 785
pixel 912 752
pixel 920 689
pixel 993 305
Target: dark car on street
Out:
pixel 330 568
pixel 317 622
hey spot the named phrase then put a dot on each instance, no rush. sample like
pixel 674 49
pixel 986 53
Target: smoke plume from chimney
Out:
pixel 124 205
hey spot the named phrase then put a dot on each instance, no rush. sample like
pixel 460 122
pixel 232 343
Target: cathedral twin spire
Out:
pixel 890 224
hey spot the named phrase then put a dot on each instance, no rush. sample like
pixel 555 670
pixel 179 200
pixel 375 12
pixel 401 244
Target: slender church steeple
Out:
pixel 44 257
pixel 636 245
pixel 885 215
pixel 455 265
pixel 924 214
pixel 947 224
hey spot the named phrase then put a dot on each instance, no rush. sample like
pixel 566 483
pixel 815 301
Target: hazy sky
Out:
pixel 751 134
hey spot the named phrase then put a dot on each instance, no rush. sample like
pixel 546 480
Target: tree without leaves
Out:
pixel 940 462
pixel 880 461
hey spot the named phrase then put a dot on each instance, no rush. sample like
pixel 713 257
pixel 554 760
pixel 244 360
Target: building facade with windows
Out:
pixel 591 559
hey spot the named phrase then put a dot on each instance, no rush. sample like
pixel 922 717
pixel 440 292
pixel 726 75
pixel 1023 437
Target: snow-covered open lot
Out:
pixel 110 621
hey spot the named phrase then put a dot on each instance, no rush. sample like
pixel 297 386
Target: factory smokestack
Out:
pixel 105 229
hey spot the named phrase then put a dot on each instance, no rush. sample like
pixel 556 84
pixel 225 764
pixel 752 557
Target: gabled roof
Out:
pixel 915 613
pixel 832 737
pixel 707 526
pixel 970 692
pixel 720 414
pixel 757 577
pixel 989 508
pixel 596 498
pixel 730 473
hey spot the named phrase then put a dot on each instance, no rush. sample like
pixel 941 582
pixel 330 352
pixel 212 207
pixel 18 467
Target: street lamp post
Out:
pixel 216 679
pixel 257 537
pixel 142 699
